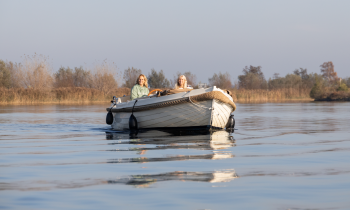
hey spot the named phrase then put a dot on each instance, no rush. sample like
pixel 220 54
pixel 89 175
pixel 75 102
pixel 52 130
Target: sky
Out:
pixel 204 37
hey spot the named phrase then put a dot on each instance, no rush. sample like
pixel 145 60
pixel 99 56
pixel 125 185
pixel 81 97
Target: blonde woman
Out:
pixel 181 82
pixel 140 88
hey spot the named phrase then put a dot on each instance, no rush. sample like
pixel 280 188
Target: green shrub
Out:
pixel 5 75
pixel 317 90
pixel 342 87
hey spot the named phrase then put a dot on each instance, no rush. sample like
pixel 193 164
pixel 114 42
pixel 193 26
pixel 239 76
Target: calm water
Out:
pixel 283 156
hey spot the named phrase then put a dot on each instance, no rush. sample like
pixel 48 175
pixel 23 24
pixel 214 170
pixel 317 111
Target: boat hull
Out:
pixel 206 114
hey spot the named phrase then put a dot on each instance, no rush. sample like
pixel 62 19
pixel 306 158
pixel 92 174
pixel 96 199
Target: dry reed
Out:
pixel 57 95
pixel 276 95
pixel 87 95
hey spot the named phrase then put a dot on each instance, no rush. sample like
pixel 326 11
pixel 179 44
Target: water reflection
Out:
pixel 146 180
pixel 216 140
pixel 173 139
pixel 214 156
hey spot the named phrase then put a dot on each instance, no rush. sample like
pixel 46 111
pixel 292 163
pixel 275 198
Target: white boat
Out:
pixel 188 108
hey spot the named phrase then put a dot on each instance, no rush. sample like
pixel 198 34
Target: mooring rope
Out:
pixel 132 111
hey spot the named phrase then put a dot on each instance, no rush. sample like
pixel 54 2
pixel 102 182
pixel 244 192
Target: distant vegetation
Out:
pixel 130 76
pixel 34 80
pixel 221 80
pixel 157 79
pixel 252 78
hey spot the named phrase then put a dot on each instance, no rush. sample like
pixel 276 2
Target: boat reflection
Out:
pixel 215 156
pixel 216 140
pixel 147 180
pixel 148 140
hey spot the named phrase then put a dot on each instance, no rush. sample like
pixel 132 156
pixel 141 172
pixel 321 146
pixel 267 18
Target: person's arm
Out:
pixel 146 91
pixel 134 92
pixel 143 91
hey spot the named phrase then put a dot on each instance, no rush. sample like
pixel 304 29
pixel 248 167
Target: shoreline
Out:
pixel 79 95
pixel 107 102
pixel 333 100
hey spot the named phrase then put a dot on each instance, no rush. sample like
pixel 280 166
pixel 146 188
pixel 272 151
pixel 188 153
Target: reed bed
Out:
pixel 57 95
pixel 276 95
pixel 87 95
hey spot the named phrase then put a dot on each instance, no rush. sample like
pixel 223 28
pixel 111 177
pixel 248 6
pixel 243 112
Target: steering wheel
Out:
pixel 154 91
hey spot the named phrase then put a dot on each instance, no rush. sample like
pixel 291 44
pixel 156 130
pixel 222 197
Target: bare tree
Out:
pixel 82 78
pixel 13 68
pixel 103 77
pixel 36 72
pixel 276 75
pixel 221 80
pixel 130 76
pixel 66 77
pixel 302 73
pixel 327 70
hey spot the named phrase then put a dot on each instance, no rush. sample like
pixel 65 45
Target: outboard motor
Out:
pixel 231 124
pixel 109 117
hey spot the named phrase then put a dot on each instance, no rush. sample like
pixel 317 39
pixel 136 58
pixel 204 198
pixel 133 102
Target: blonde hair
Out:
pixel 177 85
pixel 146 83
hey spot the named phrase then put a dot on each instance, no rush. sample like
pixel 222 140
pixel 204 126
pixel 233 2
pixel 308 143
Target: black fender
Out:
pixel 230 126
pixel 109 118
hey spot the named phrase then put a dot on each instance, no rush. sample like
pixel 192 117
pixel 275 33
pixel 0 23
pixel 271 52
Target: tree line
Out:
pixel 252 78
pixel 36 72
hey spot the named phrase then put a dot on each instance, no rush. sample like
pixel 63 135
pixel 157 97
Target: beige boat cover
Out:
pixel 174 91
pixel 218 95
pixel 206 96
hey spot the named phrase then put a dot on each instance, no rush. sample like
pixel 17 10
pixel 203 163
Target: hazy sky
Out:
pixel 203 37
